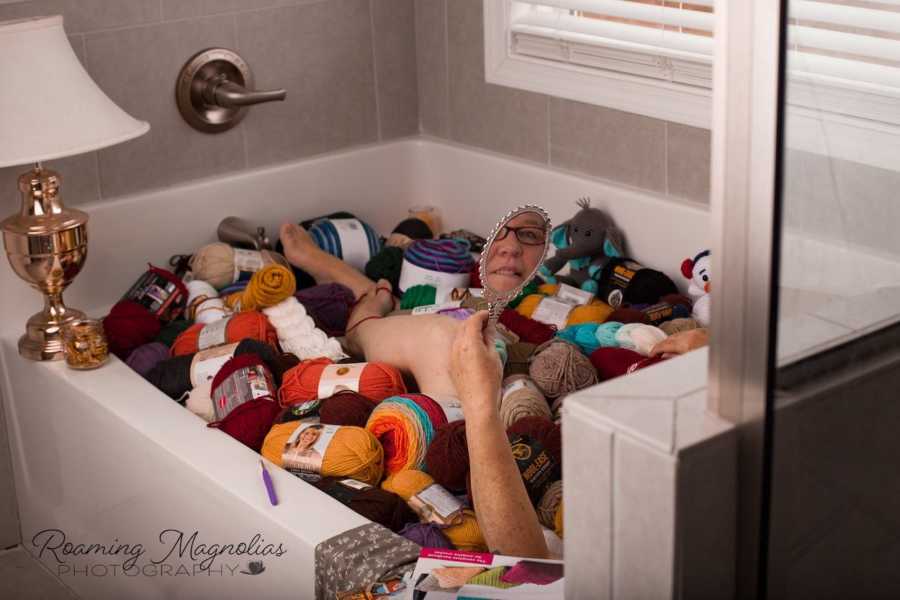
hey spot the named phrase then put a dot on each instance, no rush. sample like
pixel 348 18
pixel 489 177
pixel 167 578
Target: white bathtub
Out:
pixel 106 458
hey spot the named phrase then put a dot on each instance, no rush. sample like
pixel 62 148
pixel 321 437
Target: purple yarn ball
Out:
pixel 329 306
pixel 427 535
pixel 143 358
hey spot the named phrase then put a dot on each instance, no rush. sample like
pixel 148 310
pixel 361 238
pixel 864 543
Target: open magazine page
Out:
pixel 452 574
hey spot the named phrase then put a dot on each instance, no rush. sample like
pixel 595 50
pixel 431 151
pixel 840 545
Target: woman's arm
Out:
pixel 508 521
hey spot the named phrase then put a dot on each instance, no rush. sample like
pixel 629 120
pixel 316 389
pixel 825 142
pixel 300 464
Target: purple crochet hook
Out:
pixel 270 487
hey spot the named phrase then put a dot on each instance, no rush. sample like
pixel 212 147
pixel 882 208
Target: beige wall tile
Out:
pixel 431 59
pixel 395 67
pixel 87 15
pixel 183 9
pixel 137 69
pixel 322 54
pixel 608 143
pixel 687 159
pixel 490 116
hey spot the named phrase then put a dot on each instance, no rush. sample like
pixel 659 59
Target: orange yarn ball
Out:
pixel 595 312
pixel 301 383
pixel 253 325
pixel 353 452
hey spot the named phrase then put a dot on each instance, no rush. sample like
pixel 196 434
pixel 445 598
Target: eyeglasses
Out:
pixel 529 236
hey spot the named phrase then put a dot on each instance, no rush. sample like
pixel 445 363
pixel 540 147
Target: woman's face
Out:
pixel 509 261
pixel 307 438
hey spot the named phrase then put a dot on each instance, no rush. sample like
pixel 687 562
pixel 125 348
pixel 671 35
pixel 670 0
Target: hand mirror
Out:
pixel 512 255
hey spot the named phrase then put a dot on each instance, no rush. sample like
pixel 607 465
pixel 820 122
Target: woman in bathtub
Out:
pixel 448 358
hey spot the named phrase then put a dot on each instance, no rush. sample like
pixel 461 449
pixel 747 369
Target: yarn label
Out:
pixel 356 485
pixel 213 334
pixel 619 279
pixel 537 467
pixel 354 243
pixel 244 385
pixel 551 311
pixel 246 262
pixel 411 275
pixel 305 450
pixel 521 383
pixel 436 505
pixel 157 294
pixel 208 362
pixel 573 295
pixel 451 406
pixel 337 378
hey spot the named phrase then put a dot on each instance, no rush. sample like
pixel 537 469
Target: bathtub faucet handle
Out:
pixel 222 92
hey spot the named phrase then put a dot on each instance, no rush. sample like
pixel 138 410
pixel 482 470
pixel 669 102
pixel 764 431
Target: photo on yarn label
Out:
pixel 305 449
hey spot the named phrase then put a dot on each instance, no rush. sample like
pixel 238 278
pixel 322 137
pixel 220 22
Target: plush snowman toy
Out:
pixel 697 270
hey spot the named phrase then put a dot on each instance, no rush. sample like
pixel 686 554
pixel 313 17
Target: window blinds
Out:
pixel 849 43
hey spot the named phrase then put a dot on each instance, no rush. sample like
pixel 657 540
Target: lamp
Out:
pixel 49 108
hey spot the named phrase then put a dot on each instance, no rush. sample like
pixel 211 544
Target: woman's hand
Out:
pixel 681 342
pixel 475 366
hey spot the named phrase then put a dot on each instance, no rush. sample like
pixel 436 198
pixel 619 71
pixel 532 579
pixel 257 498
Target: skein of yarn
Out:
pixel 613 362
pixel 375 504
pixel 559 368
pixel 405 425
pixel 386 265
pixel 329 305
pixel 352 240
pixel 418 295
pixel 678 325
pixel 445 264
pixel 199 291
pixel 267 287
pixel 237 327
pixel 298 334
pixel 320 378
pixel 555 312
pixel 447 457
pixel 528 330
pixel 143 358
pixel 520 398
pixel 353 452
pixel 129 325
pixel 242 412
pixel 171 330
pixel 639 337
pixel 219 264
pixel 346 408
pixel 427 535
pixel 625 281
pixel 549 504
pixel 537 448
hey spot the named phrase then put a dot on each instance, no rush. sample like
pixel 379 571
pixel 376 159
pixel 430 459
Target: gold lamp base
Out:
pixel 46 244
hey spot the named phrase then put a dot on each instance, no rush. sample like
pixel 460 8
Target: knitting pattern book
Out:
pixel 451 574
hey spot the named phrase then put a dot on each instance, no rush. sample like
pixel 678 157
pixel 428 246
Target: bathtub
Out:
pixel 102 457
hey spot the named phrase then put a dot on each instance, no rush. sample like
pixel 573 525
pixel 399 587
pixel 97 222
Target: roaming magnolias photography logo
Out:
pixel 178 554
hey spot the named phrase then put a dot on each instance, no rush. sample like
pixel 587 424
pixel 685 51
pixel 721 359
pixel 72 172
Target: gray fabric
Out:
pixel 360 557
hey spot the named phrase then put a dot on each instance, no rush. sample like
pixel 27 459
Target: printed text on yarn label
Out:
pixel 213 334
pixel 207 363
pixel 243 386
pixel 337 378
pixel 437 505
pixel 552 312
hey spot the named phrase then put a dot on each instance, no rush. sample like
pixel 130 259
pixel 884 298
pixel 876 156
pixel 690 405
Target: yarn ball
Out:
pixel 211 310
pixel 377 505
pixel 240 326
pixel 606 334
pixel 443 256
pixel 646 286
pixel 670 306
pixel 304 279
pixel 549 504
pixel 172 330
pixel 426 535
pixel 475 276
pixel 583 335
pixel 559 368
pixel 530 288
pixel 267 287
pixel 199 291
pixel 143 358
pixel 236 363
pixel 544 431
pixel 329 305
pixel 447 458
pixel 678 325
pixel 628 315
pixel 249 422
pixel 558 521
pixel 386 265
pixel 346 408
pixel 519 400
pixel 301 383
pixel 639 337
pixel 129 325
pixel 214 264
pixel 613 362
pixel 407 483
pixel 595 312
pixel 414 229
pixel 353 452
pixel 418 295
pixel 519 355
pixel 405 425
pixel 326 233
pixel 298 334
pixel 528 330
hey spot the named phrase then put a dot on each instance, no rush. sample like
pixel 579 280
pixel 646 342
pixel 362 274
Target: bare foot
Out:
pixel 302 252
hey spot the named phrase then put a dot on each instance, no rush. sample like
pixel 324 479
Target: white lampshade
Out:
pixel 49 106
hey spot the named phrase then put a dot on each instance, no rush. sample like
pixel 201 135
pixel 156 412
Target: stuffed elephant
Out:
pixel 586 241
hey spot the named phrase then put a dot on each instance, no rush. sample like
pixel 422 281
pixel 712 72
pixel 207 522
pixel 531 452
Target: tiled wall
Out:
pixel 456 103
pixel 348 67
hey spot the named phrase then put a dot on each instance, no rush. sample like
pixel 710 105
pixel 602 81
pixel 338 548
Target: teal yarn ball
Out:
pixel 582 335
pixel 606 334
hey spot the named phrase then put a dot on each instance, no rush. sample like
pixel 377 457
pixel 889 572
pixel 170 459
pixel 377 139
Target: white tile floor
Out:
pixel 24 578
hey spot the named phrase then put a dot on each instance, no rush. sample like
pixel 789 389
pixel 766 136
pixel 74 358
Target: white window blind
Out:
pixel 847 43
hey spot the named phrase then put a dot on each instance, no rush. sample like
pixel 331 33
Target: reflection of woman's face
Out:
pixel 509 261
pixel 307 438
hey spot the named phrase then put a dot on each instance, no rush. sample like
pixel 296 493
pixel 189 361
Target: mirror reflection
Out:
pixel 516 252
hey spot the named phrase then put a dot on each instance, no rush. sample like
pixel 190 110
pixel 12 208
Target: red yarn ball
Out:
pixel 447 458
pixel 613 362
pixel 528 330
pixel 346 408
pixel 250 422
pixel 542 430
pixel 129 325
